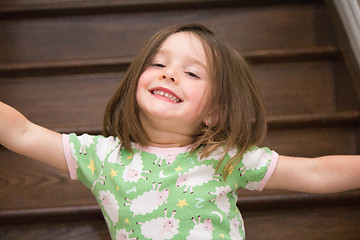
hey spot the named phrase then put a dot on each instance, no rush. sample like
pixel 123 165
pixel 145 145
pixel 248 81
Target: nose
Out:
pixel 168 74
pixel 164 76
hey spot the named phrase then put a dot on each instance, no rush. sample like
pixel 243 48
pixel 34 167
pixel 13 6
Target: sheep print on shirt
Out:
pixel 156 193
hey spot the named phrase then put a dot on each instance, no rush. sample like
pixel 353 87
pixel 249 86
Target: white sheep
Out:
pixel 122 234
pixel 232 152
pixel 196 176
pixel 85 141
pixel 169 159
pixel 252 185
pixel 255 159
pixel 216 154
pixel 160 228
pixel 222 200
pixel 110 205
pixel 115 156
pixel 133 171
pixel 234 229
pixel 148 201
pixel 201 230
pixel 106 146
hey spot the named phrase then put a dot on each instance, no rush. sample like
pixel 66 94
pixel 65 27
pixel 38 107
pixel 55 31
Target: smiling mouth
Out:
pixel 167 95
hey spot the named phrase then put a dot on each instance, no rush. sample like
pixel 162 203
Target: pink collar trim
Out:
pixel 162 151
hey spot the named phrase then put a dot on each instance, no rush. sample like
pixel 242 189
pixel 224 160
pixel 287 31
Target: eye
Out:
pixel 158 65
pixel 193 75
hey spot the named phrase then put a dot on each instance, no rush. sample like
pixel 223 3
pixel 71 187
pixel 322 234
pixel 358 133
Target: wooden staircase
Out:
pixel 61 60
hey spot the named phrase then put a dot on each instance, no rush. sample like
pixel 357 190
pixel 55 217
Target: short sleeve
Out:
pixel 85 155
pixel 69 156
pixel 256 168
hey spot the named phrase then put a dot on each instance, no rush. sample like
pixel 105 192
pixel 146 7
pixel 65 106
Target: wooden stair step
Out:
pixel 21 7
pixel 117 64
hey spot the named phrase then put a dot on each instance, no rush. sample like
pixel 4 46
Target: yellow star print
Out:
pixel 126 220
pixel 182 203
pixel 178 168
pixel 222 235
pixel 231 169
pixel 91 166
pixel 113 173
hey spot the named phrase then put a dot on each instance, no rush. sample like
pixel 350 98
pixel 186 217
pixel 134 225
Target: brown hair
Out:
pixel 238 114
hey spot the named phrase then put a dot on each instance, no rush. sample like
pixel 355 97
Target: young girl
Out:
pixel 180 136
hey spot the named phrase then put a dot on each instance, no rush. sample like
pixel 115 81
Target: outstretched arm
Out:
pixel 23 137
pixel 316 175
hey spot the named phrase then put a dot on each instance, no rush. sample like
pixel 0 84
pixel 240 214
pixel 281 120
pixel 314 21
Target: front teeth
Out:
pixel 167 95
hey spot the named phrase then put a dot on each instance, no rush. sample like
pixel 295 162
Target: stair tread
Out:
pixel 255 57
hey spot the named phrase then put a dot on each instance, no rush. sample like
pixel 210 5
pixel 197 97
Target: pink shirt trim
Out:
pixel 162 151
pixel 68 156
pixel 269 173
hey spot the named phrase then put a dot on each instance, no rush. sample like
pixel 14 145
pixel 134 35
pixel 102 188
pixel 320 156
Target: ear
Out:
pixel 211 119
pixel 207 121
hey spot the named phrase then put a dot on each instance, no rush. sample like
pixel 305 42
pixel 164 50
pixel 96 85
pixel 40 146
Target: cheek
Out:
pixel 201 95
pixel 142 81
pixel 146 77
pixel 138 92
pixel 142 84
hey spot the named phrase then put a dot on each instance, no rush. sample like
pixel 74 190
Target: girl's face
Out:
pixel 174 90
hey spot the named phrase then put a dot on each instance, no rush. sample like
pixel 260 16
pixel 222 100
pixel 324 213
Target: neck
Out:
pixel 164 136
pixel 168 139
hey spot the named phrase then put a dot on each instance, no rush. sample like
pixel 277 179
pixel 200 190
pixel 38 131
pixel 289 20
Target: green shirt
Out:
pixel 165 193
